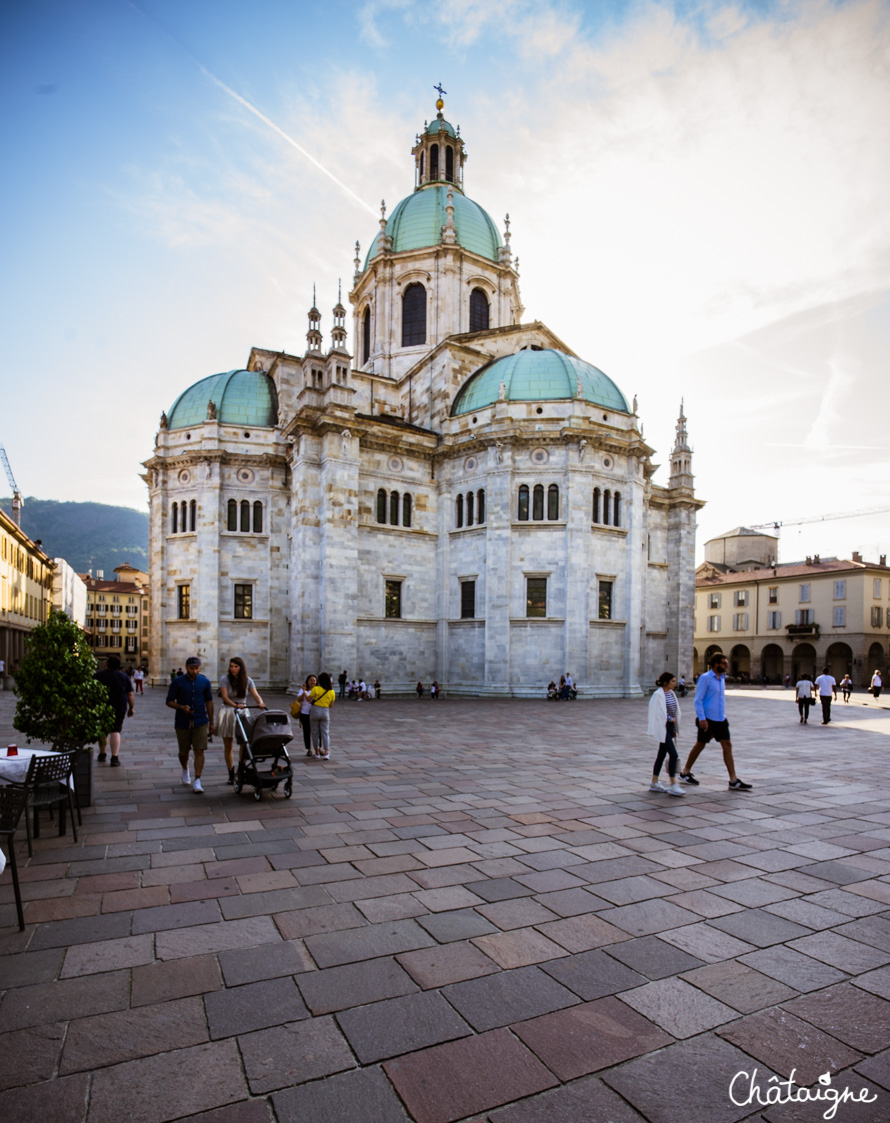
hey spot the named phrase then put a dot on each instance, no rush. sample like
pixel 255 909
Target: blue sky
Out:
pixel 697 194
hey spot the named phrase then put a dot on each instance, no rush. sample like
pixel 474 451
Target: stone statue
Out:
pixel 211 410
pixel 498 452
pixel 582 448
pixel 345 438
pixel 163 420
pixel 635 405
pixel 502 391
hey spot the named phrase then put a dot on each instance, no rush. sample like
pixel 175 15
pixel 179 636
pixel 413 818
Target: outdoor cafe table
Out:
pixel 14 770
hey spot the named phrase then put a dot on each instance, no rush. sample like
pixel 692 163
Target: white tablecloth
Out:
pixel 14 769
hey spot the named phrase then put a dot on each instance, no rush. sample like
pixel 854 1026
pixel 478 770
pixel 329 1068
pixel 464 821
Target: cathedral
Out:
pixel 462 499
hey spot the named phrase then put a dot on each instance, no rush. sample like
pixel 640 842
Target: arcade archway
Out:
pixel 840 660
pixel 740 661
pixel 803 661
pixel 772 663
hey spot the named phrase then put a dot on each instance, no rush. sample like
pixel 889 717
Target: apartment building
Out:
pixel 26 585
pixel 118 614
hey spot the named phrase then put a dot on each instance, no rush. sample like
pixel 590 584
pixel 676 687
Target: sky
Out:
pixel 697 194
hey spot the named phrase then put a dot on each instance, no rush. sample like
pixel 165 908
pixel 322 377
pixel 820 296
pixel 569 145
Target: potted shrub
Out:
pixel 60 701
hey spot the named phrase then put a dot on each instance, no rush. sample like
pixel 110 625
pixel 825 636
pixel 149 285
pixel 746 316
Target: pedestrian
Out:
pixel 876 684
pixel 120 698
pixel 321 698
pixel 664 724
pixel 846 687
pixel 419 689
pixel 341 680
pixel 434 691
pixel 826 685
pixel 191 697
pixel 234 688
pixel 377 688
pixel 787 681
pixel 138 680
pixel 682 688
pixel 710 719
pixel 301 709
pixel 804 689
pixel 173 674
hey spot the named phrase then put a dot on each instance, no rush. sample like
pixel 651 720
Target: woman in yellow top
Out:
pixel 322 698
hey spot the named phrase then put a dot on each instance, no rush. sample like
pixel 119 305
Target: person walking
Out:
pixel 710 718
pixel 120 698
pixel 826 686
pixel 301 709
pixel 138 680
pixel 419 689
pixel 804 689
pixel 191 697
pixel 234 688
pixel 846 687
pixel 321 698
pixel 877 684
pixel 664 724
pixel 341 682
pixel 377 689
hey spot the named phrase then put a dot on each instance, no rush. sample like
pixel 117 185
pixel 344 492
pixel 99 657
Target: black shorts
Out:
pixel 716 731
pixel 119 716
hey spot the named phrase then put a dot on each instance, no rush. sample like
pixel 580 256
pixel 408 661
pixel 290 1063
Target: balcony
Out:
pixel 802 630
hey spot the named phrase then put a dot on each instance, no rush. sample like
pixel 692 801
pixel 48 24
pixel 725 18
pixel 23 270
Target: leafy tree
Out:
pixel 60 701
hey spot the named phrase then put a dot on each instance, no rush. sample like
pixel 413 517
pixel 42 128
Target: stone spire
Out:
pixel 313 335
pixel 338 331
pixel 358 264
pixel 449 234
pixel 505 254
pixel 681 455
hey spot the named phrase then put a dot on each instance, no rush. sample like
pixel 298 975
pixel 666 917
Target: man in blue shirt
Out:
pixel 192 698
pixel 710 720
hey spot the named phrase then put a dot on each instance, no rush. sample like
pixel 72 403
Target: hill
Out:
pixel 87 535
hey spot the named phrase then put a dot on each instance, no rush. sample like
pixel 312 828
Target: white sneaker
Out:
pixel 186 779
pixel 655 786
pixel 197 787
pixel 675 789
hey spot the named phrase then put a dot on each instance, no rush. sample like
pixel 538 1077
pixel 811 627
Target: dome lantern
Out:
pixel 439 154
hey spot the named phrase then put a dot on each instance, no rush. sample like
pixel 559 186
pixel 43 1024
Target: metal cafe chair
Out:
pixel 12 803
pixel 48 784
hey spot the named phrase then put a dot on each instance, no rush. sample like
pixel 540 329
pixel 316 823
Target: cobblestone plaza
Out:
pixel 474 911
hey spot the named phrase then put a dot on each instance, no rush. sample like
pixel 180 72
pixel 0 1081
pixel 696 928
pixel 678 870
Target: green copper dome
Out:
pixel 242 397
pixel 440 125
pixel 538 376
pixel 418 220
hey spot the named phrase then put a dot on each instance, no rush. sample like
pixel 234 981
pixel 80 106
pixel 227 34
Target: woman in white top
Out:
pixel 846 687
pixel 301 709
pixel 877 684
pixel 234 689
pixel 804 689
pixel 664 724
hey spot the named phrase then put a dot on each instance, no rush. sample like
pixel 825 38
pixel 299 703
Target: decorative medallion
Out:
pixel 395 464
pixel 245 476
pixel 608 462
pixel 471 464
pixel 540 456
pixel 184 476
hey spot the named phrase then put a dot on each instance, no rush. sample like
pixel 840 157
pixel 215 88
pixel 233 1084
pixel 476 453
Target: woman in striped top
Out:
pixel 664 724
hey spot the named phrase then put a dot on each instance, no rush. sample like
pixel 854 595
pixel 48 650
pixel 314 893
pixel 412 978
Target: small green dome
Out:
pixel 418 220
pixel 440 125
pixel 538 376
pixel 241 397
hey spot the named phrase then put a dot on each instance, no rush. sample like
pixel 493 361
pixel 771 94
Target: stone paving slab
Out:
pixel 435 928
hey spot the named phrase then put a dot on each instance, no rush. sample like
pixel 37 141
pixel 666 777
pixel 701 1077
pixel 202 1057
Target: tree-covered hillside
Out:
pixel 87 535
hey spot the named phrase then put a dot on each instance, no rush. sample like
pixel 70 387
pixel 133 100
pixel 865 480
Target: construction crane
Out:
pixel 777 525
pixel 17 501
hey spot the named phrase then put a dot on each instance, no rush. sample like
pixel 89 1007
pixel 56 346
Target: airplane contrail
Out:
pixel 257 113
pixel 284 136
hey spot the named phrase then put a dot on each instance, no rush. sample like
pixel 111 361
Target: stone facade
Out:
pixel 392 540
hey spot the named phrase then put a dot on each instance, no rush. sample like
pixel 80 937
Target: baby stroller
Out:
pixel 264 761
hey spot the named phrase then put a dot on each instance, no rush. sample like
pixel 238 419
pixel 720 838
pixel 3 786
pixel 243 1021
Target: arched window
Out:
pixel 232 515
pixel 245 517
pixel 523 503
pixel 183 516
pixel 449 163
pixel 414 315
pixel 421 167
pixel 193 515
pixel 478 310
pixel 459 511
pixel 538 502
pixel 480 505
pixel 381 505
pixel 470 505
pixel 607 507
pixel 434 161
pixel 553 502
pixel 616 509
pixel 174 521
pixel 394 508
pixel 258 517
pixel 366 335
pixel 597 496
pixel 406 509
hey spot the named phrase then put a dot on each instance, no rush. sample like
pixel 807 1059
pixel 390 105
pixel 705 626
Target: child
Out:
pixel 664 724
